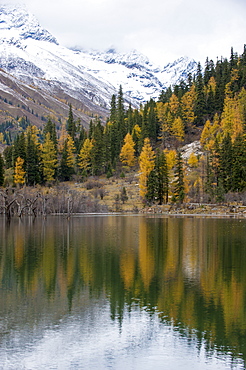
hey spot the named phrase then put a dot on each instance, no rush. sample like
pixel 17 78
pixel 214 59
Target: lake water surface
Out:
pixel 123 292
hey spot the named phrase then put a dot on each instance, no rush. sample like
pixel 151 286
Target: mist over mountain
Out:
pixel 36 71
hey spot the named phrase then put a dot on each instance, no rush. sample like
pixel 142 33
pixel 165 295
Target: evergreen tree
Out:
pixel 179 188
pixel 109 157
pixel 121 118
pixel 62 138
pixel 208 186
pixel 8 156
pixel 200 105
pixel 239 164
pixel 19 148
pixel 49 159
pixel 82 136
pixel 71 126
pixel 209 71
pixel 113 133
pixel 1 170
pixel 210 98
pixel 91 129
pixel 225 163
pixel 130 119
pixel 123 195
pixel 233 59
pixel 162 177
pixel 157 182
pixel 66 167
pixel 113 111
pixel 144 127
pixel 33 168
pixel 50 128
pixel 153 127
pixel 151 192
pixel 112 140
pixel 222 77
pixel 98 150
pixel 165 95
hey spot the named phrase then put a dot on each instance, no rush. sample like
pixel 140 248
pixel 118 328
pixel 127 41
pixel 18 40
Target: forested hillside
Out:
pixel 208 109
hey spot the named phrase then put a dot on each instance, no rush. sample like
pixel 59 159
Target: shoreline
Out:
pixel 203 210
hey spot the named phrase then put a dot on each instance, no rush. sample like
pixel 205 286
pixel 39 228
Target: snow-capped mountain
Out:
pixel 141 80
pixel 87 79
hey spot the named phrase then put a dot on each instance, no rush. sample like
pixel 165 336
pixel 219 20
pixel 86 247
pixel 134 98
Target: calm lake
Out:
pixel 123 292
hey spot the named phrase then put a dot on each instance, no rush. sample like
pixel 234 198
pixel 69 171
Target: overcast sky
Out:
pixel 164 30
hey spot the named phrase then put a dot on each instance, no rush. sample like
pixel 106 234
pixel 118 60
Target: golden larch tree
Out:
pixel 210 132
pixel 174 104
pixel 170 158
pixel 34 132
pixel 232 120
pixel 85 155
pixel 127 154
pixel 187 106
pixel 19 175
pixel 70 152
pixel 62 138
pixel 49 159
pixel 178 129
pixel 192 160
pixel 146 163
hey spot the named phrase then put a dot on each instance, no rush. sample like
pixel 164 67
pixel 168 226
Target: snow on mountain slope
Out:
pixel 33 55
pixel 17 23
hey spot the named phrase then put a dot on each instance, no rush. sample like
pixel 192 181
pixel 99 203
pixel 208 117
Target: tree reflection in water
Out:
pixel 189 271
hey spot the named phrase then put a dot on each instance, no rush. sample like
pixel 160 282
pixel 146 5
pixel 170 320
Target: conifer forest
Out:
pixel 208 110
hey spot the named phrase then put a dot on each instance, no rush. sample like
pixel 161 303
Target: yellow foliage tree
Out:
pixel 127 151
pixel 49 158
pixel 242 102
pixel 178 129
pixel 232 120
pixel 187 106
pixel 33 130
pixel 192 160
pixel 170 158
pixel 174 104
pixel 62 138
pixel 85 155
pixel 19 175
pixel 211 85
pixel 136 136
pixel 210 131
pixel 136 131
pixel 146 163
pixel 70 151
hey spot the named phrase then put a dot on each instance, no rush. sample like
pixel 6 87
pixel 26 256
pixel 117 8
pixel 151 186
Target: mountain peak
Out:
pixel 17 23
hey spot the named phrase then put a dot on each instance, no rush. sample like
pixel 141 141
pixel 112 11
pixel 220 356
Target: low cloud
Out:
pixel 164 30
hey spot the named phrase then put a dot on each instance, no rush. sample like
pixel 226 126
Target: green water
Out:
pixel 123 292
